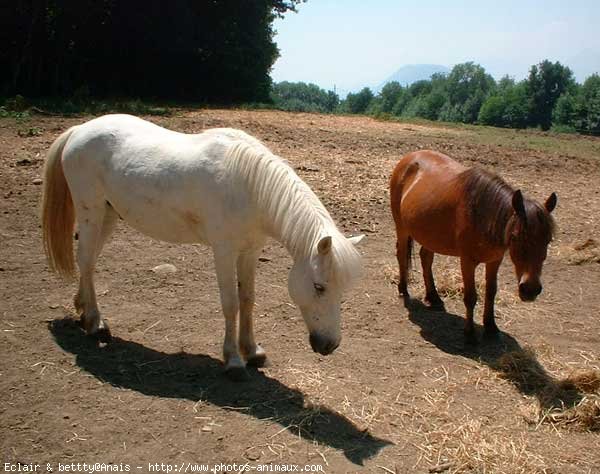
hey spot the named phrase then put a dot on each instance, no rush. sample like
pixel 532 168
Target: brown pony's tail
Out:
pixel 396 186
pixel 409 252
pixel 58 213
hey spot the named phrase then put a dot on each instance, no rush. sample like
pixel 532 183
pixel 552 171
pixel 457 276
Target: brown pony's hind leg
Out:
pixel 491 286
pixel 470 297
pixel 403 254
pixel 432 298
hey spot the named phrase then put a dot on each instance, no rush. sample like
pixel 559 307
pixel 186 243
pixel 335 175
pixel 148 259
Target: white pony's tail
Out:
pixel 58 213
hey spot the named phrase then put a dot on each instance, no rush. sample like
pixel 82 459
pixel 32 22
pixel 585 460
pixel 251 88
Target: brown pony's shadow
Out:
pixel 194 377
pixel 504 355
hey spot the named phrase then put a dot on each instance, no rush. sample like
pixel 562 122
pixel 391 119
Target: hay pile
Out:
pixel 571 403
pixel 582 253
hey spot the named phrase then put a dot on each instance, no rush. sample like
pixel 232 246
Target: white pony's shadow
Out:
pixel 125 364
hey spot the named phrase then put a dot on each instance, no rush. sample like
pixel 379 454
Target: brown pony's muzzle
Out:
pixel 529 291
pixel 322 345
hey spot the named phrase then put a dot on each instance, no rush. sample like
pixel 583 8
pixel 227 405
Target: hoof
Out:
pixel 258 360
pixel 103 335
pixel 437 306
pixel 85 324
pixel 100 333
pixel 406 300
pixel 237 374
pixel 470 339
pixel 491 334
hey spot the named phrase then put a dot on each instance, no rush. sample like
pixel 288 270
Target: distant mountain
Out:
pixel 410 73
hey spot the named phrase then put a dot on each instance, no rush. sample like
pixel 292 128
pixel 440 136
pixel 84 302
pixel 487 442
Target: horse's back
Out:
pixel 117 127
pixel 168 185
pixel 426 163
pixel 426 199
pixel 425 174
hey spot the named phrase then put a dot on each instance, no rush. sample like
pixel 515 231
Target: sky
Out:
pixel 354 43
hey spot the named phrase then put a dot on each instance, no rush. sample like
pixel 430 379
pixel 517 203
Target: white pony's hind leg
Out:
pixel 225 269
pixel 95 226
pixel 246 271
pixel 108 226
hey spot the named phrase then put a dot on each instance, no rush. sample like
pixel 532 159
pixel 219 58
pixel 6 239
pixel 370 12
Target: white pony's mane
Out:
pixel 292 212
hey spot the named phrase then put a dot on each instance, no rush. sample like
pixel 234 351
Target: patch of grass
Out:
pixel 563 129
pixel 30 132
pixel 100 107
pixel 567 144
pixel 80 104
pixel 7 113
pixel 559 140
pixel 257 106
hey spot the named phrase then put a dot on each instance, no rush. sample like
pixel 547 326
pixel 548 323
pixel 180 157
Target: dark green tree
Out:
pixel 467 87
pixel 390 93
pixel 492 111
pixel 567 112
pixel 302 97
pixel 547 81
pixel 357 103
pixel 590 93
pixel 413 102
pixel 219 50
pixel 507 107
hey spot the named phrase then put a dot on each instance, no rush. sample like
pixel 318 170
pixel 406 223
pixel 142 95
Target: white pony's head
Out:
pixel 316 284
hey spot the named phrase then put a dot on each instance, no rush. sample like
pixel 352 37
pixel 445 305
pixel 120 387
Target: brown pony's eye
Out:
pixel 320 289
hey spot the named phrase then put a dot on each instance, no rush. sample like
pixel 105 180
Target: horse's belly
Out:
pixel 442 245
pixel 173 225
pixel 434 227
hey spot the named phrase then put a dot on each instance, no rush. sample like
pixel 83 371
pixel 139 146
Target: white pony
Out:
pixel 221 187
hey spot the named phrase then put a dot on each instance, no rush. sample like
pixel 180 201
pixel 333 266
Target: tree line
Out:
pixel 221 51
pixel 548 98
pixel 202 51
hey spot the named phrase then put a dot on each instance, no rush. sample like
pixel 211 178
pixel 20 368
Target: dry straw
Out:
pixel 571 403
pixel 581 253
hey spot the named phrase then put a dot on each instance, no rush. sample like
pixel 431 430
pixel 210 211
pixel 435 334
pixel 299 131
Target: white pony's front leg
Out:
pixel 225 259
pixel 246 271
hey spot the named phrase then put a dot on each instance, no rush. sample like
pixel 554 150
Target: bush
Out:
pixel 302 97
pixel 563 129
pixel 389 95
pixel 507 108
pixel 358 103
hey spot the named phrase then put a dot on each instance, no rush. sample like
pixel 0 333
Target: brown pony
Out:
pixel 472 214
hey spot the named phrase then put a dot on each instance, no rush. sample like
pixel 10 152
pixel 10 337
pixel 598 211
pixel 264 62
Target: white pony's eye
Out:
pixel 320 289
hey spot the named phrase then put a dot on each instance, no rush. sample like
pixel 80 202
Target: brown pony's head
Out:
pixel 529 231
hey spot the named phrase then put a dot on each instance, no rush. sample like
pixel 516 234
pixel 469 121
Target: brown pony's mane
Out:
pixel 489 200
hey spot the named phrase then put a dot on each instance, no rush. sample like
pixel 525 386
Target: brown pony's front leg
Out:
pixel 491 286
pixel 470 296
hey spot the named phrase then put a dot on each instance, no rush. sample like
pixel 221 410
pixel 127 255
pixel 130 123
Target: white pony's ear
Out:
pixel 324 245
pixel 356 239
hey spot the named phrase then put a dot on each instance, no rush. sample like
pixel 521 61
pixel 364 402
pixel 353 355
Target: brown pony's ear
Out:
pixel 517 203
pixel 550 203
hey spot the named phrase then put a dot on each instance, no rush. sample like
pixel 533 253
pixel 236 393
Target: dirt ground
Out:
pixel 401 394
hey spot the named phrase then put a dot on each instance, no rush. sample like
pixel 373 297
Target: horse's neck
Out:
pixel 491 215
pixel 300 230
pixel 290 212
